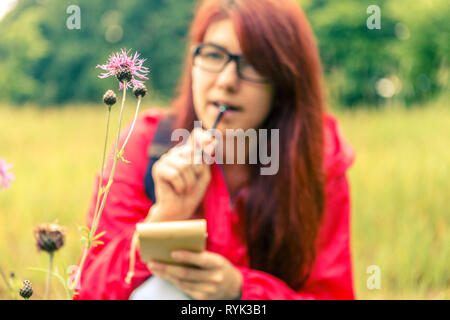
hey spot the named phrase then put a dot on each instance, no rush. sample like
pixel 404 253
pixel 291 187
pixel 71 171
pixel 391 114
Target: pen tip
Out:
pixel 223 108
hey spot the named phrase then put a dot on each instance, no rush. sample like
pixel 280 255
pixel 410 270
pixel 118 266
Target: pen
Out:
pixel 223 108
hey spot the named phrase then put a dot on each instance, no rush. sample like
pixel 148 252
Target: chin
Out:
pixel 205 121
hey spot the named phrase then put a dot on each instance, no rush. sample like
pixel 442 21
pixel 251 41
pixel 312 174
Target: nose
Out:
pixel 228 78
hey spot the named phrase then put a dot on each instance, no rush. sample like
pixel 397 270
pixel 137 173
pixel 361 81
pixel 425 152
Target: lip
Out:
pixel 232 107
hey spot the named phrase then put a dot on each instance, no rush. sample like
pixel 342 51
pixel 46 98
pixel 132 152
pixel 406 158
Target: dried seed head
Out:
pixel 109 98
pixel 124 75
pixel 49 237
pixel 27 290
pixel 140 90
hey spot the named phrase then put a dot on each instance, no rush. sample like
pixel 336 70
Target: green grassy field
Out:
pixel 400 182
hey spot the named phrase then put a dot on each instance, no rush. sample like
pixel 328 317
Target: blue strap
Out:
pixel 160 145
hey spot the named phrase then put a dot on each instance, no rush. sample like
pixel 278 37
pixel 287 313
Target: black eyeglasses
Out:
pixel 214 58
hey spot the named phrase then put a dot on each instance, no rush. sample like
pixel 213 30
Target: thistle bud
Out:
pixel 124 75
pixel 140 90
pixel 109 98
pixel 49 237
pixel 27 290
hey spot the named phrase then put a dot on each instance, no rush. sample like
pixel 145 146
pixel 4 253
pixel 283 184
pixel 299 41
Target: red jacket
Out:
pixel 106 266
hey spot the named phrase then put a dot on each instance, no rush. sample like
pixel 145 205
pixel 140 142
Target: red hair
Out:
pixel 275 37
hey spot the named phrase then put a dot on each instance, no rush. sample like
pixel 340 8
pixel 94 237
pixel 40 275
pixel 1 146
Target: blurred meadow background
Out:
pixel 387 87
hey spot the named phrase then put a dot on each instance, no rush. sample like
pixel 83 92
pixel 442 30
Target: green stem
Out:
pixel 108 186
pixel 58 277
pixel 99 193
pixel 78 274
pixel 132 125
pixel 49 275
pixel 116 157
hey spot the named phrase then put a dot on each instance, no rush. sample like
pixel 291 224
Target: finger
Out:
pixel 209 152
pixel 172 176
pixel 197 288
pixel 203 146
pixel 205 175
pixel 191 157
pixel 188 172
pixel 195 151
pixel 190 177
pixel 205 259
pixel 164 276
pixel 184 152
pixel 183 273
pixel 195 294
pixel 199 167
pixel 201 135
pixel 199 293
pixel 200 138
pixel 185 170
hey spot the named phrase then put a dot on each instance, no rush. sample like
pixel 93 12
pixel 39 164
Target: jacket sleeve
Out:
pixel 106 266
pixel 331 274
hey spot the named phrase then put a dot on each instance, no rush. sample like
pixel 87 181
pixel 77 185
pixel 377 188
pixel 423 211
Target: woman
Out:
pixel 279 236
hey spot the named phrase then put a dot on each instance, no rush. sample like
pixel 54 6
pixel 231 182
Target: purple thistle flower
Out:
pixel 5 177
pixel 120 61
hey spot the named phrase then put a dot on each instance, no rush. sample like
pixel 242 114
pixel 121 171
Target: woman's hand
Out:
pixel 181 182
pixel 216 277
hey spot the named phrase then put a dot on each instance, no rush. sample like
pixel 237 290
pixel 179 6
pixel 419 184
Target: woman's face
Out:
pixel 252 99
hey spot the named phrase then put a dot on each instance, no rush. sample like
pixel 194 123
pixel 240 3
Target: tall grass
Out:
pixel 399 187
pixel 56 153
